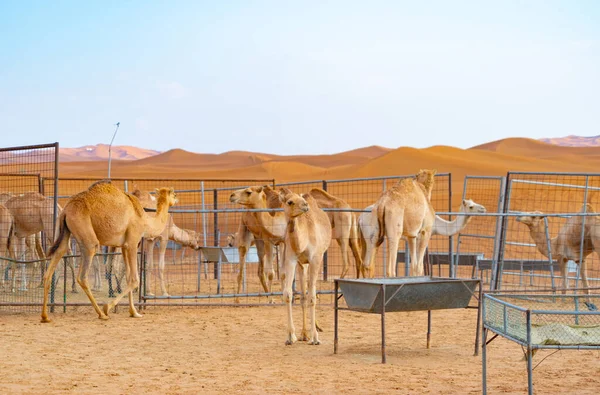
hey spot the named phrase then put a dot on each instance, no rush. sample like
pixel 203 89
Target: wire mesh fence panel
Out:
pixel 27 223
pixel 478 241
pixel 173 264
pixel 537 250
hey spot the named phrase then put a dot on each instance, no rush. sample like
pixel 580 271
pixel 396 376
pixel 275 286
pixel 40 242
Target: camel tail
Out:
pixel 63 231
pixel 381 223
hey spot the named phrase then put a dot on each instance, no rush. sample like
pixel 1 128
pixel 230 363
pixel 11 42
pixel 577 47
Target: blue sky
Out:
pixel 297 77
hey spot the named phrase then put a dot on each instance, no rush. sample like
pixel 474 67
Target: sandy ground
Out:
pixel 241 349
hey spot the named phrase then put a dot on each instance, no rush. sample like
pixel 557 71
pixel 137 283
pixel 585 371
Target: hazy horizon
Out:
pixel 306 78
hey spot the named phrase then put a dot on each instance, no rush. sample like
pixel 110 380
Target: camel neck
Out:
pixel 450 228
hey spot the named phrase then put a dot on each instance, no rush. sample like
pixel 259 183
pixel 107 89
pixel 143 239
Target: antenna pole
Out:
pixel 110 147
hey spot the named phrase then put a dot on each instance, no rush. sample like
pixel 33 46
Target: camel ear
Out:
pixel 282 196
pixel 464 202
pixel 434 172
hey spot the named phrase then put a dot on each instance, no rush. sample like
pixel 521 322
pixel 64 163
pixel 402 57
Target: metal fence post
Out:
pixel 451 265
pixel 216 228
pixel 326 254
pixel 497 283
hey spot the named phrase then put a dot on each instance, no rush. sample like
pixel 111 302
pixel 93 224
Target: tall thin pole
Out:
pixel 110 146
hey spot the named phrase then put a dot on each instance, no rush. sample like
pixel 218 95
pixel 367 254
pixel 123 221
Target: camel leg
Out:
pixel 87 252
pixel 564 274
pixel 301 271
pixel 313 268
pixel 19 254
pixel 150 265
pixel 415 268
pixel 356 252
pixel 393 243
pixel 368 257
pixel 270 273
pixel 289 267
pixel 38 248
pixel 242 249
pixel 343 243
pixel 96 272
pixel 422 242
pixel 56 257
pixel 161 265
pixel 70 262
pixel 133 281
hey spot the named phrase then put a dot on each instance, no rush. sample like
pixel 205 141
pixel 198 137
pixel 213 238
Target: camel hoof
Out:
pixel 149 294
pixel 303 338
pixel 74 291
pixel 136 315
pixel 166 294
pixel 45 320
pixel 314 343
pixel 103 317
pixel 288 342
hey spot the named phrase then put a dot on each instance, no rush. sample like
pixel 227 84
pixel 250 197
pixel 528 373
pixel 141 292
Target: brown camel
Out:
pixel 105 215
pixel 34 213
pixel 184 237
pixel 566 245
pixel 404 210
pixel 308 235
pixel 345 228
pixel 267 229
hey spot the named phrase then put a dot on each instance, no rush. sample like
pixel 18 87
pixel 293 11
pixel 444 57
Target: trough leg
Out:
pixel 484 361
pixel 335 320
pixel 383 323
pixel 477 331
pixel 428 328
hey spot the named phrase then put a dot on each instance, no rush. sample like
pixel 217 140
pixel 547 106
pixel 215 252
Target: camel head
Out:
pixel 294 205
pixel 469 206
pixel 167 195
pixel 534 220
pixel 145 198
pixel 231 239
pixel 426 177
pixel 248 196
pixel 196 239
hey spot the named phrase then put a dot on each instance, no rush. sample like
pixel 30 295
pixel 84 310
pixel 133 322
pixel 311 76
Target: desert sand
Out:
pixel 231 350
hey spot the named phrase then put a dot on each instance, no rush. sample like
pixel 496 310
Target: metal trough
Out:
pixel 381 295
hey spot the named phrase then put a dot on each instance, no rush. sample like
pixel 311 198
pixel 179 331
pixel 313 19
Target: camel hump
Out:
pixel 325 200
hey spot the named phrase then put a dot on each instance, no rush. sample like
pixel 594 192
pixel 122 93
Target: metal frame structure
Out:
pixel 420 293
pixel 517 323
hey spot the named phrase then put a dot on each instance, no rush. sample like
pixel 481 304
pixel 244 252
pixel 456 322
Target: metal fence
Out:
pixel 27 221
pixel 533 246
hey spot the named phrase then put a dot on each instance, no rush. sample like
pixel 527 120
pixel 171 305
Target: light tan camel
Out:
pixel 6 231
pixel 345 228
pixel 566 245
pixel 403 210
pixel 34 213
pixel 105 215
pixel 308 235
pixel 369 229
pixel 266 228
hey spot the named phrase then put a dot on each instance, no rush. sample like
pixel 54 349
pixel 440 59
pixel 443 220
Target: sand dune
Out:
pixel 494 158
pixel 100 152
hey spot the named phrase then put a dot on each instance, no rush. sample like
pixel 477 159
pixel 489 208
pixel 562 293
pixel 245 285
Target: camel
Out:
pixel 105 215
pixel 34 213
pixel 369 229
pixel 267 230
pixel 308 234
pixel 345 228
pixel 6 231
pixel 566 245
pixel 403 210
pixel 184 237
pixel 234 240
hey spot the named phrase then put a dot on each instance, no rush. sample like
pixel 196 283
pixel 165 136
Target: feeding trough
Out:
pixel 381 295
